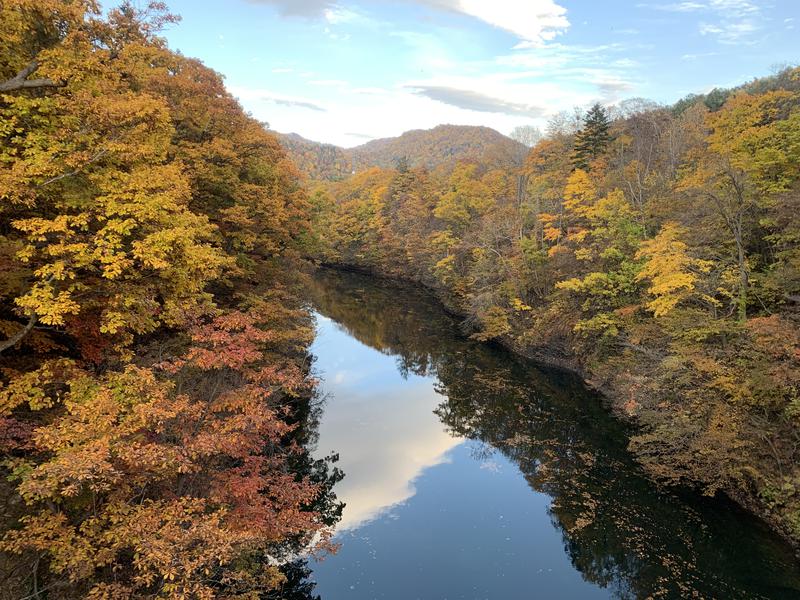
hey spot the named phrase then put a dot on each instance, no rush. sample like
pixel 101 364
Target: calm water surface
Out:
pixel 470 475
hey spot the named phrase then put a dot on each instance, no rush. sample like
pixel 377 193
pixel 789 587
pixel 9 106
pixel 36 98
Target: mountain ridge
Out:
pixel 428 148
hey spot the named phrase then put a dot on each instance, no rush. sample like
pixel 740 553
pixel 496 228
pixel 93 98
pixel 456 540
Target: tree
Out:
pixel 98 207
pixel 146 227
pixel 529 135
pixel 467 197
pixel 187 482
pixel 751 154
pixel 672 273
pixel 593 139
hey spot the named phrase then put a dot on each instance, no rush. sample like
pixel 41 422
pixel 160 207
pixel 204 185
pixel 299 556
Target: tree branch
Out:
pixel 94 158
pixel 20 81
pixel 14 339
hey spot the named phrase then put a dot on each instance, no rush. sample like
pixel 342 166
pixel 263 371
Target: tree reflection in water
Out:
pixel 620 530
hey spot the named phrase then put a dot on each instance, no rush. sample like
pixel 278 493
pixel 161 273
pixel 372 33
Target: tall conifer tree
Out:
pixel 593 139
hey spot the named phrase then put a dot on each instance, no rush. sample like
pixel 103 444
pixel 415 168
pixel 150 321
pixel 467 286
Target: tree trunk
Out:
pixel 744 281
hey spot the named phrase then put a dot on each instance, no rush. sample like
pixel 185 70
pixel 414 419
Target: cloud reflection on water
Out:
pixel 386 435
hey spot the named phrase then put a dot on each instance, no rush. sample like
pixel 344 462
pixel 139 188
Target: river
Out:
pixel 471 474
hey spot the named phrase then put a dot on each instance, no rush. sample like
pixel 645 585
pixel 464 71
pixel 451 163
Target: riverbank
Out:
pixel 614 385
pixel 470 465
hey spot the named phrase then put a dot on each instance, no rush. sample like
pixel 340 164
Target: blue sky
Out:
pixel 346 71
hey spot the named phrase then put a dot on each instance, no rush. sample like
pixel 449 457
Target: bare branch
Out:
pixel 94 158
pixel 14 339
pixel 20 81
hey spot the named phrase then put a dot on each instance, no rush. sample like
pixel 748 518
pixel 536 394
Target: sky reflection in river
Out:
pixel 382 425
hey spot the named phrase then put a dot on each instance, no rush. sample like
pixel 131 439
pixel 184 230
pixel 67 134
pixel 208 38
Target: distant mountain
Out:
pixel 430 148
pixel 316 160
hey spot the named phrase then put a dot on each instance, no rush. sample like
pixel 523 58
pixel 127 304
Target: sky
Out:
pixel 347 71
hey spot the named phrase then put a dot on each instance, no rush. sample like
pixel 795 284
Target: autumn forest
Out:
pixel 158 244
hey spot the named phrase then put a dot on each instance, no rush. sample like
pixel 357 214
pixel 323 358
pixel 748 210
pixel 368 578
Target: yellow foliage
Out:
pixel 579 194
pixel 672 273
pixel 519 305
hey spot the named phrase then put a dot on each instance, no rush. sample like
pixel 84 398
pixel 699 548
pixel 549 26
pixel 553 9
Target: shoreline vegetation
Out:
pixel 655 253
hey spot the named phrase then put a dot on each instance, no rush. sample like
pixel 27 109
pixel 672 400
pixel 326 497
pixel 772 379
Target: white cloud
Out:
pixel 676 6
pixel 537 79
pixel 737 6
pixel 475 101
pixel 696 56
pixel 299 8
pixel 339 14
pixel 523 86
pixel 400 109
pixel 249 96
pixel 612 89
pixel 735 21
pixel 532 21
pixel 730 32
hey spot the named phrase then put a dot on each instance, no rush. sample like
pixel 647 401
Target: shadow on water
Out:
pixel 619 530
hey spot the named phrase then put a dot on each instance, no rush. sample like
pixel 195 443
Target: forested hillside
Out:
pixel 154 357
pixel 658 254
pixel 317 161
pixel 442 145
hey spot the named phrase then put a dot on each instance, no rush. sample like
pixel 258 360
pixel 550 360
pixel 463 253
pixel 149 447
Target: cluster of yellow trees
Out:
pixel 658 253
pixel 152 351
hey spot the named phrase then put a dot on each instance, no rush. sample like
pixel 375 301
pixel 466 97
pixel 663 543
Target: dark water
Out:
pixel 469 474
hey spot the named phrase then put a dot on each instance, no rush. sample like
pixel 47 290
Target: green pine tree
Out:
pixel 593 139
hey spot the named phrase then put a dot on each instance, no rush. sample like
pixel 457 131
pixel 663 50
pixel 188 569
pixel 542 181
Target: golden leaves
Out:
pixel 672 273
pixel 38 388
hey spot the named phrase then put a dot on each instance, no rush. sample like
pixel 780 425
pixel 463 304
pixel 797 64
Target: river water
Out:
pixel 470 474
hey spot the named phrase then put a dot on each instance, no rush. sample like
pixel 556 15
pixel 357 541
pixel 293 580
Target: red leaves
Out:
pixel 263 497
pixel 15 435
pixel 231 341
pixel 184 483
pixel 184 476
pixel 241 342
pixel 776 336
pixel 85 330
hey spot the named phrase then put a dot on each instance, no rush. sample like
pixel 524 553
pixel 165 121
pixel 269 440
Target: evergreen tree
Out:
pixel 593 139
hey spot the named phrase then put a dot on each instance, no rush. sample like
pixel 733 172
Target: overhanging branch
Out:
pixel 20 81
pixel 17 337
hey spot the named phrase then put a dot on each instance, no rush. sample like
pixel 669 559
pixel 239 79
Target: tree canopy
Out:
pixel 154 350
